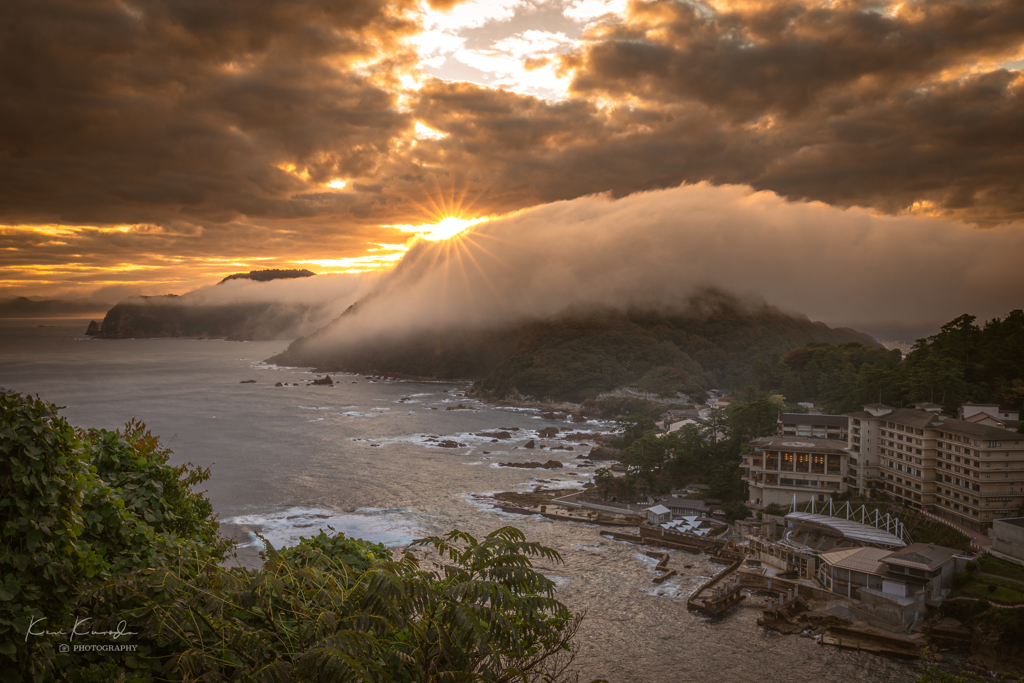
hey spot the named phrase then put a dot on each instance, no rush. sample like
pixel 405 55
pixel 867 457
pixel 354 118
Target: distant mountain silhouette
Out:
pixel 23 307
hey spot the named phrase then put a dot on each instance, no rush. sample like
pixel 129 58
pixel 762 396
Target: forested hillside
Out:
pixel 963 362
pixel 167 316
pixel 712 342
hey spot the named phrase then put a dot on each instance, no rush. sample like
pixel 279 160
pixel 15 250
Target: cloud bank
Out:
pixel 655 249
pixel 142 142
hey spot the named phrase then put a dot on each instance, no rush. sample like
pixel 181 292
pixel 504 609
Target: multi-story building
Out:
pixel 967 472
pixel 899 441
pixel 833 427
pixel 781 467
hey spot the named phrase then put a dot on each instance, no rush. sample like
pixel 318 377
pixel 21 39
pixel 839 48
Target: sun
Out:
pixel 444 229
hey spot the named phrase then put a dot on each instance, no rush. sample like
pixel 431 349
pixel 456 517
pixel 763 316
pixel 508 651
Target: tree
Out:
pixel 339 609
pixel 753 419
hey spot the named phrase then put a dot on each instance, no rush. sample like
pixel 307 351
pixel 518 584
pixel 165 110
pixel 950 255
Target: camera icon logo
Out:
pixel 63 647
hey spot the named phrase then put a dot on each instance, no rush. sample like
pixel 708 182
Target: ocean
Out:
pixel 364 457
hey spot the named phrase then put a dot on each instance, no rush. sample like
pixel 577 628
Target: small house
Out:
pixel 658 514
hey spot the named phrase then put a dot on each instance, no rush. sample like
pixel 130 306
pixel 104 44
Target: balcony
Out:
pixel 800 483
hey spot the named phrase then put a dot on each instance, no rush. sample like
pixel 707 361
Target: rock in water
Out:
pixel 325 382
pixel 278 385
pixel 604 453
pixel 548 433
pixel 93 330
pixel 529 444
pixel 549 465
pixel 248 381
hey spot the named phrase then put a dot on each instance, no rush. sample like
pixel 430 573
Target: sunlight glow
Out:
pixel 424 132
pixel 444 229
pixel 336 184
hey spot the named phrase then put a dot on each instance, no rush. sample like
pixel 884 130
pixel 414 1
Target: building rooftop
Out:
pixel 1015 521
pixel 855 531
pixel 675 503
pixel 866 560
pixel 922 556
pixel 659 510
pixel 795 443
pixel 813 420
pixel 923 419
pixel 979 430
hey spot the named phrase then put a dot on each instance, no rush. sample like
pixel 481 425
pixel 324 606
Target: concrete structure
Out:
pixel 890 589
pixel 833 427
pixel 920 566
pixel 1008 536
pixel 781 467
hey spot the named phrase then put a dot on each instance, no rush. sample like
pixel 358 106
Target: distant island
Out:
pixel 268 275
pixel 713 341
pixel 195 316
pixel 23 307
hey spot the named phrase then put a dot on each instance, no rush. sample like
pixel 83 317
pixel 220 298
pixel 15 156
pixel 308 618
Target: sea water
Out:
pixel 364 458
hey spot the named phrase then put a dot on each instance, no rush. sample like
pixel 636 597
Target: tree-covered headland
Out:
pixel 963 362
pixel 96 525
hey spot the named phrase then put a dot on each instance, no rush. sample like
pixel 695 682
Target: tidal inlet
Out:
pixel 511 340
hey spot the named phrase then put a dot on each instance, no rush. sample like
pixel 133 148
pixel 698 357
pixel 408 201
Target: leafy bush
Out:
pixel 339 609
pixel 77 508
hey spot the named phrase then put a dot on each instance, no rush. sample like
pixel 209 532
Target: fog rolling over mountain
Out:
pixel 649 254
pixel 653 250
pixel 260 305
pixel 845 267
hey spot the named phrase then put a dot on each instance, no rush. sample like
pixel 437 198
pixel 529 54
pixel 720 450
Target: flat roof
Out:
pixel 797 444
pixel 814 420
pixel 856 531
pixel 1015 521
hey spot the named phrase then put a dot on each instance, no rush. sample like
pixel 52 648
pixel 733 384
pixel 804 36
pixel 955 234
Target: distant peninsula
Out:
pixel 714 341
pixel 199 315
pixel 23 307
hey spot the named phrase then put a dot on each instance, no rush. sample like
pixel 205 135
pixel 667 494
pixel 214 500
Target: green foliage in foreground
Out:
pixel 77 508
pixel 96 524
pixel 308 615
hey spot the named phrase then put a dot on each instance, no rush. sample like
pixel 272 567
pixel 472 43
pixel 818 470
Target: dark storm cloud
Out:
pixel 129 112
pixel 786 57
pixel 908 112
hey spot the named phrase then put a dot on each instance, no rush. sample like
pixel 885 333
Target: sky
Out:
pixel 156 146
